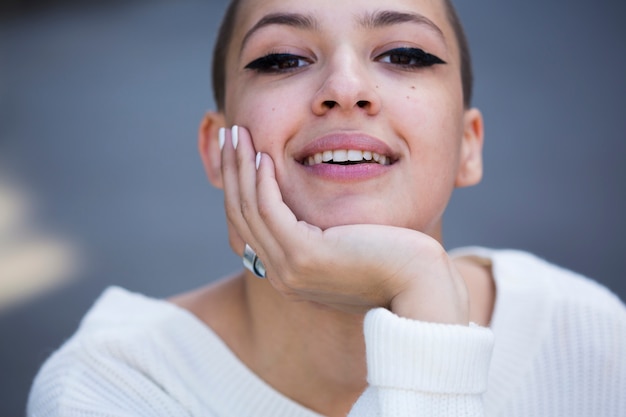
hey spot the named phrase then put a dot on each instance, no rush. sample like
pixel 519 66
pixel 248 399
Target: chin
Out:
pixel 337 216
pixel 351 209
pixel 333 218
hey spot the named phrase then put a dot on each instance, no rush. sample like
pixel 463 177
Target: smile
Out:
pixel 346 157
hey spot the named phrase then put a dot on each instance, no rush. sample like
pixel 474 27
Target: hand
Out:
pixel 351 268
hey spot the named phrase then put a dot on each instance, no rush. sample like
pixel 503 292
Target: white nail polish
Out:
pixel 222 137
pixel 235 136
pixel 258 160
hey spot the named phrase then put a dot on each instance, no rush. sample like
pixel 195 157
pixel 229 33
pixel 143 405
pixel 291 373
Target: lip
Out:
pixel 346 141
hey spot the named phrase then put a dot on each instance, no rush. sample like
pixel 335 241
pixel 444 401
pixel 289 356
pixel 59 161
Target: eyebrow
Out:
pixel 388 18
pixel 373 20
pixel 295 20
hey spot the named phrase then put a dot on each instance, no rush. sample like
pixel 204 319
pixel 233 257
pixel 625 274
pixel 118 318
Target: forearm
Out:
pixel 418 368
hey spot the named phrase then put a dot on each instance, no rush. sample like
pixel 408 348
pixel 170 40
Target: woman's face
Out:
pixel 373 85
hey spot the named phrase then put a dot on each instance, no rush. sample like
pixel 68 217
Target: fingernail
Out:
pixel 235 136
pixel 222 137
pixel 258 160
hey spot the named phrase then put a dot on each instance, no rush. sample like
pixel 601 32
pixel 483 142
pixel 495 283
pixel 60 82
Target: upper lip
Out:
pixel 346 141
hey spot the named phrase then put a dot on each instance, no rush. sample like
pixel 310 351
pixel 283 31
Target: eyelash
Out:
pixel 277 63
pixel 417 58
pixel 408 58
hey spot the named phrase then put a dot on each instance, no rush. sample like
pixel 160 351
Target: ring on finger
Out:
pixel 252 262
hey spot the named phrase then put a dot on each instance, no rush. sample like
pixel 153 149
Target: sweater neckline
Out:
pixel 519 319
pixel 218 379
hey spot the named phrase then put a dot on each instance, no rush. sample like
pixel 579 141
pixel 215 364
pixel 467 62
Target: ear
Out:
pixel 209 148
pixel 471 161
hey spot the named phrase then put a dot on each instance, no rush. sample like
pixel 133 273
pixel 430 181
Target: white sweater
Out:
pixel 560 350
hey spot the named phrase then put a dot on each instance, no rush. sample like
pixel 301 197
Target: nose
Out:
pixel 348 86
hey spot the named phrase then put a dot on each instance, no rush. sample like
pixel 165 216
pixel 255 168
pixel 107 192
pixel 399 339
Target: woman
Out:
pixel 342 129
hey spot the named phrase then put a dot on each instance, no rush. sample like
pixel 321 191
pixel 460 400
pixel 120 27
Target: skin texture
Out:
pixel 420 116
pixel 338 240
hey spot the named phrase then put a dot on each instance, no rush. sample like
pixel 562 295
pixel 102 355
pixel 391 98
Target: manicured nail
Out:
pixel 258 160
pixel 235 136
pixel 222 137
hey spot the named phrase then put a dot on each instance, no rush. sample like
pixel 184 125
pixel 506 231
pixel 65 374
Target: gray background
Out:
pixel 99 107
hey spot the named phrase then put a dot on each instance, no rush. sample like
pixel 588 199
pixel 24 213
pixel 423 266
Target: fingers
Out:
pixel 351 268
pixel 277 217
pixel 256 210
pixel 231 178
pixel 240 194
pixel 245 157
pixel 271 207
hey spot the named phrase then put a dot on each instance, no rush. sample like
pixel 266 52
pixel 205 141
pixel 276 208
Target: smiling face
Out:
pixel 360 107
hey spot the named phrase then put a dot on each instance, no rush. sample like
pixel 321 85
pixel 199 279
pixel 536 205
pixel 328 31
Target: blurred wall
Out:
pixel 99 107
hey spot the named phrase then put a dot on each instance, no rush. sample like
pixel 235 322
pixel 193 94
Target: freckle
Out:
pixel 408 98
pixel 376 86
pixel 412 87
pixel 273 108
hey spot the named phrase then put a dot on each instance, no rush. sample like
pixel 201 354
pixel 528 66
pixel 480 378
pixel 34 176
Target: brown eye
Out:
pixel 276 63
pixel 400 59
pixel 409 58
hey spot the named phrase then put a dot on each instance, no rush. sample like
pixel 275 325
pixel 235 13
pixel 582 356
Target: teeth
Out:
pixel 344 155
pixel 340 156
pixel 355 156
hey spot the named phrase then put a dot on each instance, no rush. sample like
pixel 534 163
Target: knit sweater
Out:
pixel 560 350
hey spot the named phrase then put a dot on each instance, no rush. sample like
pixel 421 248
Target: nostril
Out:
pixel 329 103
pixel 362 103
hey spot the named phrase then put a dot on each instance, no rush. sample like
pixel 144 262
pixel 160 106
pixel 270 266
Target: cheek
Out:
pixel 271 116
pixel 431 124
pixel 427 121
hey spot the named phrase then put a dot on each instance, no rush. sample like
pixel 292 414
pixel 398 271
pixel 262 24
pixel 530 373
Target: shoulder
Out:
pixel 563 313
pixel 558 334
pixel 579 308
pixel 126 325
pixel 540 305
pixel 565 288
pixel 520 273
pixel 120 356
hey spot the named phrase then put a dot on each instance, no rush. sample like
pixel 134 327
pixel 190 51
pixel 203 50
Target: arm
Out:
pixel 417 368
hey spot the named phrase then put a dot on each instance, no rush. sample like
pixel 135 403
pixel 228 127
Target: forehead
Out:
pixel 346 13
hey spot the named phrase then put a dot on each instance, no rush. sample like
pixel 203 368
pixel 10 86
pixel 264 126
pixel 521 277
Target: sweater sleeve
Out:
pixel 417 368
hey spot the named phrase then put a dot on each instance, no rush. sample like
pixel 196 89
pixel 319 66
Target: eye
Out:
pixel 409 58
pixel 277 63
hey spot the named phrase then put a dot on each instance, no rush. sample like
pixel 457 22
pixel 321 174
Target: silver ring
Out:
pixel 252 262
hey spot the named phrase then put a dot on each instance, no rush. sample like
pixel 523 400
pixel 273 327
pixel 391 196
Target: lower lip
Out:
pixel 346 173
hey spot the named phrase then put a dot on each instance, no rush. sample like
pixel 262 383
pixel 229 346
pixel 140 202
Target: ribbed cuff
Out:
pixel 427 357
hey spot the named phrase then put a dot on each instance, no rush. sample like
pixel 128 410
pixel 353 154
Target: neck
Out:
pixel 312 354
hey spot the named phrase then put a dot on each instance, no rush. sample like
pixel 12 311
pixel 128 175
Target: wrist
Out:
pixel 438 296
